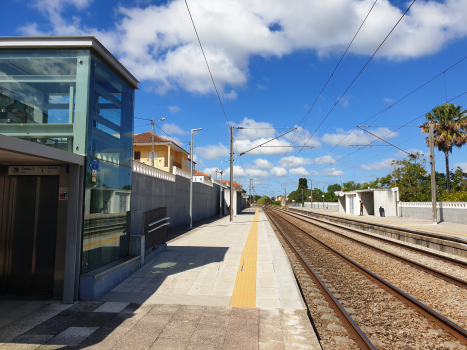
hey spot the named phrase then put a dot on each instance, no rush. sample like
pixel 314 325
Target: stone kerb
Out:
pixel 151 171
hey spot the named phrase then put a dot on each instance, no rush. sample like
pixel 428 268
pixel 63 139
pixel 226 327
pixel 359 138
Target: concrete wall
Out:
pixel 150 192
pixel 368 203
pixel 448 211
pixel 334 206
pixel 387 200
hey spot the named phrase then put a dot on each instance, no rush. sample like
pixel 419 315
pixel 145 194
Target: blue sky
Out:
pixel 270 60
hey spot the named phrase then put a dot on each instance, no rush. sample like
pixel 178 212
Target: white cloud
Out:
pixel 293 162
pixel 199 162
pixel 278 171
pixel 463 166
pixel 158 44
pixel 254 173
pixel 213 151
pixel 388 100
pixel 237 172
pixel 300 171
pixel 254 130
pixel 245 145
pixel 333 172
pixel 357 136
pixel 210 171
pixel 384 164
pixel 301 137
pixel 262 164
pixel 173 129
pixel 173 109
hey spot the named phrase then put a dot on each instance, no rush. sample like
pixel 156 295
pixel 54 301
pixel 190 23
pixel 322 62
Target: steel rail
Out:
pixel 354 331
pixel 383 239
pixel 449 326
pixel 439 274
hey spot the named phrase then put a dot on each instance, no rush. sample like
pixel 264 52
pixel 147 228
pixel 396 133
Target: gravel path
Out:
pixel 388 322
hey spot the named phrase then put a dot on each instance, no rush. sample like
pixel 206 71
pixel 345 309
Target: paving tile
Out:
pixel 270 330
pixel 111 307
pixel 72 336
pixel 262 292
pixel 199 289
pixel 178 330
pixel 25 324
pixel 169 344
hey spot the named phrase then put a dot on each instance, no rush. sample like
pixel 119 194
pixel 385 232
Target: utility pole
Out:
pixel 303 204
pixel 285 196
pixel 311 195
pixel 395 181
pixel 251 184
pixel 191 177
pixel 231 173
pixel 323 196
pixel 220 199
pixel 433 177
pixel 153 124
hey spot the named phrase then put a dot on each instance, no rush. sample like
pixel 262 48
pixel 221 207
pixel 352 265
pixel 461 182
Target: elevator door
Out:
pixel 33 230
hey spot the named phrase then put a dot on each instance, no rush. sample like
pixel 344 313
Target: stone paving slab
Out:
pixel 163 326
pixel 178 300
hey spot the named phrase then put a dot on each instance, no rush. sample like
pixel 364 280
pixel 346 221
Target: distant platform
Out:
pixel 447 229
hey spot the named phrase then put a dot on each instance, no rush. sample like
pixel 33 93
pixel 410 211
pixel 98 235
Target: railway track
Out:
pixel 352 307
pixel 419 265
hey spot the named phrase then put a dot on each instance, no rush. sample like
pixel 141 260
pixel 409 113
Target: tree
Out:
pixel 449 126
pixel 302 183
pixel 413 180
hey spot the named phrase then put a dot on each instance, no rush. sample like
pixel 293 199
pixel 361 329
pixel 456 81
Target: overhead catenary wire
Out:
pixel 212 78
pixel 411 121
pixel 392 105
pixel 305 118
pixel 356 77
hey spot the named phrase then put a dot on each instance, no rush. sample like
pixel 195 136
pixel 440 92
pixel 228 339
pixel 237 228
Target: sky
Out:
pixel 270 61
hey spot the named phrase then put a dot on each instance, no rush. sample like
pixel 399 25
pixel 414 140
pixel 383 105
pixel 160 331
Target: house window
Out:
pixel 150 155
pixel 137 156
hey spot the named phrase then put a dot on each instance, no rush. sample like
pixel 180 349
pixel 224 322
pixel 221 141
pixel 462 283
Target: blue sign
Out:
pixel 94 164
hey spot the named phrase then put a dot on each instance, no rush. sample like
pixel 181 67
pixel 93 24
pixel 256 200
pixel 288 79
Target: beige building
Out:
pixel 167 153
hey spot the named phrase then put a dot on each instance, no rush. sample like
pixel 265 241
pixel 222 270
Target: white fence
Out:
pixel 180 172
pixel 450 205
pixel 151 171
pixel 446 211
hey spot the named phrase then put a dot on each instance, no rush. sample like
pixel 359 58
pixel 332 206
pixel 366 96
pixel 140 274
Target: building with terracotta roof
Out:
pixel 200 173
pixel 167 154
pixel 235 183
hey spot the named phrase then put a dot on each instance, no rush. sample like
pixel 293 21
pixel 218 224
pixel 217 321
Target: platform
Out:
pixel 219 286
pixel 445 229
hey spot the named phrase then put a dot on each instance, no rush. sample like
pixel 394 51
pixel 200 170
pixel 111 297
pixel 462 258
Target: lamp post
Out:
pixel 153 124
pixel 342 186
pixel 220 199
pixel 191 177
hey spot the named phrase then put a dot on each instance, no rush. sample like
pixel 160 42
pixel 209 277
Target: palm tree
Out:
pixel 449 128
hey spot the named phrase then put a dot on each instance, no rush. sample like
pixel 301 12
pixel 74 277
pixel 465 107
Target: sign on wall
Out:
pixel 198 178
pixel 63 193
pixel 34 170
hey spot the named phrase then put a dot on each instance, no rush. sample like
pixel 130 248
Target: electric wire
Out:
pixel 380 113
pixel 356 77
pixel 411 121
pixel 212 78
pixel 331 76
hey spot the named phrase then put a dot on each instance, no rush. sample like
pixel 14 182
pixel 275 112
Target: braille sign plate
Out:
pixel 34 170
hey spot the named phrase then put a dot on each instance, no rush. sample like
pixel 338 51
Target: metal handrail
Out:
pixel 158 227
pixel 155 222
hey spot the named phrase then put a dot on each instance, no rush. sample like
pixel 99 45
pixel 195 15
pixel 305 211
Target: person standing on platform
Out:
pixel 361 208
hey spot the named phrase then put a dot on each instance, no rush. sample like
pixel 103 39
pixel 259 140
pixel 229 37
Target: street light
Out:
pixel 191 178
pixel 153 124
pixel 342 186
pixel 220 187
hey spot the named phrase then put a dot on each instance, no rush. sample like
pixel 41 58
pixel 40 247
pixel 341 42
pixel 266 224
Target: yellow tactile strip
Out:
pixel 244 293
